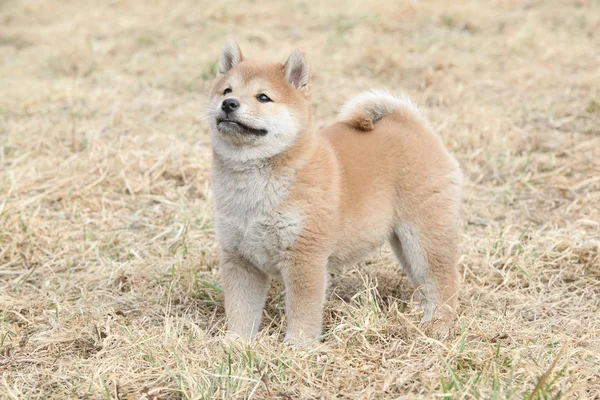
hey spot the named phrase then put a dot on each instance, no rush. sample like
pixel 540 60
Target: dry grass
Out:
pixel 108 263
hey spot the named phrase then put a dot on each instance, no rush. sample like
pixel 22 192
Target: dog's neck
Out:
pixel 288 161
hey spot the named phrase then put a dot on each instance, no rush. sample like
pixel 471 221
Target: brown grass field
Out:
pixel 109 280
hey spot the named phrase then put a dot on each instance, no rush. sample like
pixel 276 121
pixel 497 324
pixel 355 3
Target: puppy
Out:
pixel 291 202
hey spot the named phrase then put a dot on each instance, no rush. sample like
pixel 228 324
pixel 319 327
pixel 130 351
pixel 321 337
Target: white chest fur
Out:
pixel 249 218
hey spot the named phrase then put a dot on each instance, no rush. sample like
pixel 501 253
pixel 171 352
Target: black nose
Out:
pixel 230 105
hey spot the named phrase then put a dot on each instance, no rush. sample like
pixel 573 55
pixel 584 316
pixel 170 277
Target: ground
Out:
pixel 109 281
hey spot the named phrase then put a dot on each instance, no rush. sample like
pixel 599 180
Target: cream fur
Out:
pixel 292 203
pixel 281 124
pixel 373 105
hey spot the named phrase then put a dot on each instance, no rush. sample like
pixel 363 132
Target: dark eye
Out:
pixel 227 91
pixel 263 98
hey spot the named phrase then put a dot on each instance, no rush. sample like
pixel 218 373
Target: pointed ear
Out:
pixel 230 57
pixel 297 72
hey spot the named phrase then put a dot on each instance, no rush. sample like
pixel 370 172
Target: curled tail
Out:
pixel 364 110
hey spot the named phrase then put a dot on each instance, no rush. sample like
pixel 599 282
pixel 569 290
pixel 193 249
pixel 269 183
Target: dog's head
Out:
pixel 258 109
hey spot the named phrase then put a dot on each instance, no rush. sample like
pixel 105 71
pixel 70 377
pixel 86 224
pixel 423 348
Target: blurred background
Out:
pixel 108 263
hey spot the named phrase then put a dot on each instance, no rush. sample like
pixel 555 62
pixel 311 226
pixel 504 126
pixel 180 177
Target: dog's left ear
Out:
pixel 297 71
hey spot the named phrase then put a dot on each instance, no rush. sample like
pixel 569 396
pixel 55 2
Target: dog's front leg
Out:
pixel 305 284
pixel 245 288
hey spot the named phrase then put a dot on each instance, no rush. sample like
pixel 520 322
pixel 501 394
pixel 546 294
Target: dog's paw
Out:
pixel 300 341
pixel 233 337
pixel 439 329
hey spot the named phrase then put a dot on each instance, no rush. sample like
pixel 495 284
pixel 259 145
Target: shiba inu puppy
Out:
pixel 291 202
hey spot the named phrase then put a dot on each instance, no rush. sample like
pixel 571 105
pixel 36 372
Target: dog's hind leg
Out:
pixel 429 258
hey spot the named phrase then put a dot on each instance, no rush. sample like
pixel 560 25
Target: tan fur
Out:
pixel 329 198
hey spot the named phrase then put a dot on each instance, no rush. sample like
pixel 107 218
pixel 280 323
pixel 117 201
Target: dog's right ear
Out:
pixel 230 57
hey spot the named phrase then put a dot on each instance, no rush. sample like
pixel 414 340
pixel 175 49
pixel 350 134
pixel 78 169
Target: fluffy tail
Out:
pixel 364 110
